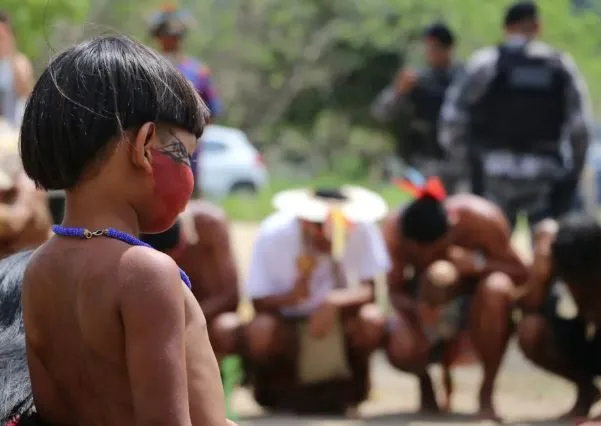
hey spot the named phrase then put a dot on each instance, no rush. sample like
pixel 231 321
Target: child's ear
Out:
pixel 143 141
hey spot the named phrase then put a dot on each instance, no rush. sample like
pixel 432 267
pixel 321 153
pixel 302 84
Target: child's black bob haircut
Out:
pixel 89 96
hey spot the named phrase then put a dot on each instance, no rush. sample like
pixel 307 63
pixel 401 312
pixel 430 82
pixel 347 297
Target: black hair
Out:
pixel 425 220
pixel 576 251
pixel 440 32
pixel 16 398
pixel 164 241
pixel 4 18
pixel 330 194
pixel 521 11
pixel 93 93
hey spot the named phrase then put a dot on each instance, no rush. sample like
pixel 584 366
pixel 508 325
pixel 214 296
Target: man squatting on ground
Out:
pixel 560 338
pixel 474 236
pixel 306 311
pixel 124 341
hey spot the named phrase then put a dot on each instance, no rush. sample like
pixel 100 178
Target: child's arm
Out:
pixel 153 314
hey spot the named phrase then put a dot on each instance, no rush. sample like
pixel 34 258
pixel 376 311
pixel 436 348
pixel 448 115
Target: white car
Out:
pixel 229 163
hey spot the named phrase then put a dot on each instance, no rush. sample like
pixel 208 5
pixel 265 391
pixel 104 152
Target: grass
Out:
pixel 254 208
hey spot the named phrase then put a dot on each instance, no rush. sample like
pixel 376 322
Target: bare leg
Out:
pixel 538 344
pixel 225 334
pixel 447 379
pixel 490 331
pixel 408 350
pixel 365 330
pixel 428 404
pixel 263 338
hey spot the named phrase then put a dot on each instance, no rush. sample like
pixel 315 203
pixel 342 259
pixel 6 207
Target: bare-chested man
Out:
pixel 307 314
pixel 24 215
pixel 199 242
pixel 474 236
pixel 562 308
pixel 123 341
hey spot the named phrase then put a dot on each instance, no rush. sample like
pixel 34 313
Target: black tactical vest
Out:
pixel 524 108
pixel 427 99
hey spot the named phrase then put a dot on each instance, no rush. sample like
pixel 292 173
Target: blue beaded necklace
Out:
pixel 109 233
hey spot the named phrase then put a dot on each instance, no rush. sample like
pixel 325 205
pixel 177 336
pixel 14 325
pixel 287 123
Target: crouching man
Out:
pixel 313 333
pixel 562 307
pixel 453 253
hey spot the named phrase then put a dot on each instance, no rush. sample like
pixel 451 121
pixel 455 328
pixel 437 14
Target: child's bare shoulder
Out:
pixel 142 267
pixel 148 282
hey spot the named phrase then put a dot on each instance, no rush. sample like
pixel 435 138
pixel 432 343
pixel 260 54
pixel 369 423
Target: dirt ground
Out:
pixel 525 395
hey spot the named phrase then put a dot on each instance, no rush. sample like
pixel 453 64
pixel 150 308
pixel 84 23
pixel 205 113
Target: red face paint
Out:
pixel 173 186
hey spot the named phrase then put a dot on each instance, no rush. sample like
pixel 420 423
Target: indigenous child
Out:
pixel 123 341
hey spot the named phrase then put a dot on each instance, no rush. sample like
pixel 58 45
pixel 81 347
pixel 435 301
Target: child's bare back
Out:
pixel 114 337
pixel 84 295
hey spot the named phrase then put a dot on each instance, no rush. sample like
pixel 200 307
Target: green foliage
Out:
pixel 34 21
pixel 312 68
pixel 245 208
pixel 299 76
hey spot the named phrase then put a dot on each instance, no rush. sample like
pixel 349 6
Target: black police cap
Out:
pixel 440 32
pixel 521 11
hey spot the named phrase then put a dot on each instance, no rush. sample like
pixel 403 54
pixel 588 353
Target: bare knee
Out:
pixel 407 349
pixel 531 331
pixel 261 337
pixel 499 283
pixel 495 292
pixel 224 332
pixel 491 309
pixel 372 325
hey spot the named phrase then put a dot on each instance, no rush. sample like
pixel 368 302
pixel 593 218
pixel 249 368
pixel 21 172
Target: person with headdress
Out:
pixel 454 271
pixel 315 327
pixel 515 106
pixel 412 103
pixel 561 309
pixel 169 27
pixel 24 216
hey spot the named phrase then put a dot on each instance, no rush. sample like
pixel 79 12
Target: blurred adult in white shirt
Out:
pixel 305 307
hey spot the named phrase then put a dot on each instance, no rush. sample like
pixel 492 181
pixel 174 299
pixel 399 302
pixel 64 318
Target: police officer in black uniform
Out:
pixel 413 104
pixel 515 106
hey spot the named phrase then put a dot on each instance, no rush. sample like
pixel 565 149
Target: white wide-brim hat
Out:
pixel 357 204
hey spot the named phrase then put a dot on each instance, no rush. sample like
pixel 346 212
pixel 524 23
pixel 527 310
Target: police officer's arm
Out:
pixel 389 104
pixel 396 99
pixel 466 89
pixel 579 114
